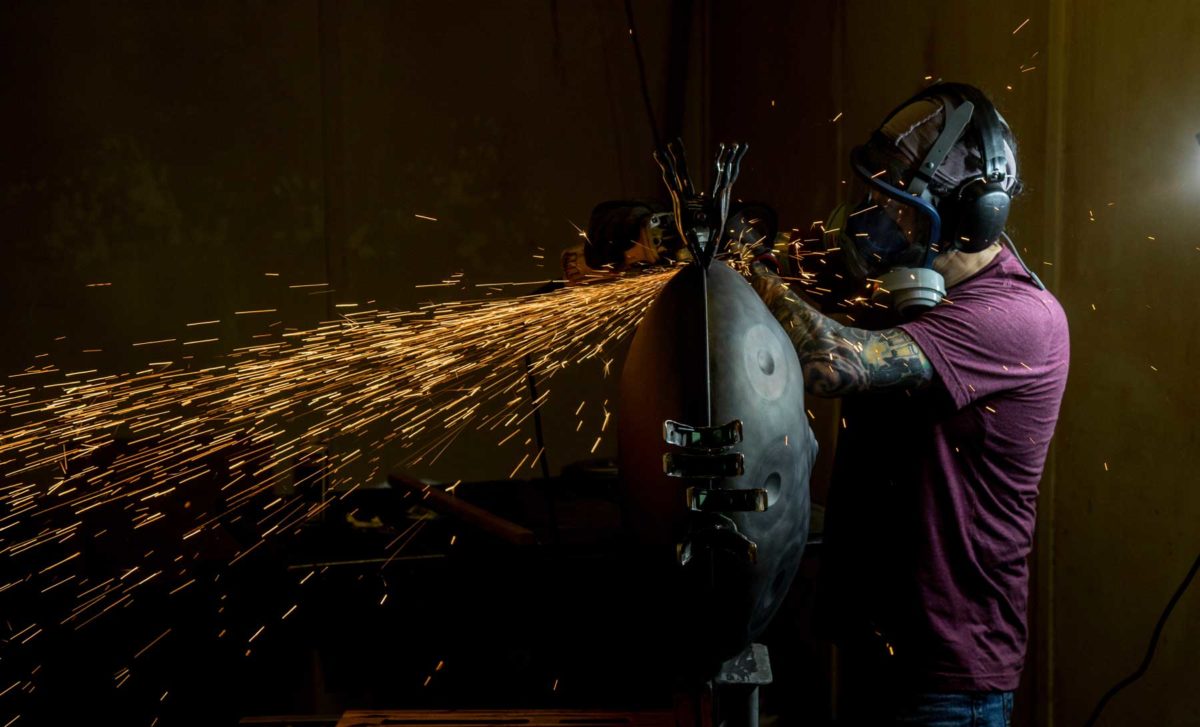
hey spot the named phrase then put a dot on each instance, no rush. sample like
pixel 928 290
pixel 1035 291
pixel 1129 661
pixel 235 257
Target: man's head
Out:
pixel 910 131
pixel 935 178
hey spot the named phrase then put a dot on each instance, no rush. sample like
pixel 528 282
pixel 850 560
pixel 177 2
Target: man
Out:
pixel 950 398
pixel 947 417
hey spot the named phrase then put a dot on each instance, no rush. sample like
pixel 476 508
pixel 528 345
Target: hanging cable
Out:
pixel 641 65
pixel 1158 629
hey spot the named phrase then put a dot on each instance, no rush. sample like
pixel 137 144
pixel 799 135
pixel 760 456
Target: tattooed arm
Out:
pixel 839 359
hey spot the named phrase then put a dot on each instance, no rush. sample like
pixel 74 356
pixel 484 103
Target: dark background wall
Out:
pixel 180 151
pixel 1126 504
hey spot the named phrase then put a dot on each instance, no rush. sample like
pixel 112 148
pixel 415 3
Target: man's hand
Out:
pixel 745 254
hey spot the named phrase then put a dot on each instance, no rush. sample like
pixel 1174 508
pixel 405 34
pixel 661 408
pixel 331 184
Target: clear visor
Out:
pixel 883 232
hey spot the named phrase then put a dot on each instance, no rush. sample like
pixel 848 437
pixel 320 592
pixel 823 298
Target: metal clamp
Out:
pixel 705 466
pixel 686 435
pixel 726 500
pixel 717 532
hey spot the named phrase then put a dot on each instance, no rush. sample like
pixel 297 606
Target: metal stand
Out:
pixel 736 687
pixel 730 699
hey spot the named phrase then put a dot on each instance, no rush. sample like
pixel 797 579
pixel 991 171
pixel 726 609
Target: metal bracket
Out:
pixel 706 466
pixel 717 532
pixel 724 500
pixel 686 435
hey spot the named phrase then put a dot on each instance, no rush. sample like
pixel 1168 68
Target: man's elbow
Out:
pixel 820 391
pixel 829 377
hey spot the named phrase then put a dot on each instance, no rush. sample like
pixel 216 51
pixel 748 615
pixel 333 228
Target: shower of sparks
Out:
pixel 806 255
pixel 172 454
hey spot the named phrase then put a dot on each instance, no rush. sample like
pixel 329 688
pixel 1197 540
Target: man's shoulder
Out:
pixel 1007 289
pixel 1002 319
pixel 993 334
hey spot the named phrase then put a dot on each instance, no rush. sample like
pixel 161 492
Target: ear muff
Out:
pixel 973 215
pixel 977 215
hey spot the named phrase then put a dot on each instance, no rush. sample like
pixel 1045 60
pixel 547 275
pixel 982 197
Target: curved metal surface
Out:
pixel 716 604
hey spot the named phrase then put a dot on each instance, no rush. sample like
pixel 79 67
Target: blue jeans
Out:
pixel 960 709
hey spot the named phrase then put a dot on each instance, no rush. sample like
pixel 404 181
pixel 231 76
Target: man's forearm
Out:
pixel 839 359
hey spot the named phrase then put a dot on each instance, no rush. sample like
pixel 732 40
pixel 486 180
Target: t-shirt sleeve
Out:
pixel 985 341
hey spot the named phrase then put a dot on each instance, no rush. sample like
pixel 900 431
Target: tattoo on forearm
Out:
pixel 839 359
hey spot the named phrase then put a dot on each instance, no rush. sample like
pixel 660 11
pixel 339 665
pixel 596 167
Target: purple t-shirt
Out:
pixel 932 511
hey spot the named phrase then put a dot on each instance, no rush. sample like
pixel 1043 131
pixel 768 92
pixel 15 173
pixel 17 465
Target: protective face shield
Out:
pixel 893 232
pixel 891 235
pixel 817 258
pixel 887 226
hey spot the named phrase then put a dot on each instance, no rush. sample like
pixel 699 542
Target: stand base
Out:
pixel 730 699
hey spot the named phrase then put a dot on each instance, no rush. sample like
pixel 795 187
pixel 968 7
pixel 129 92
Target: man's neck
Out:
pixel 957 266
